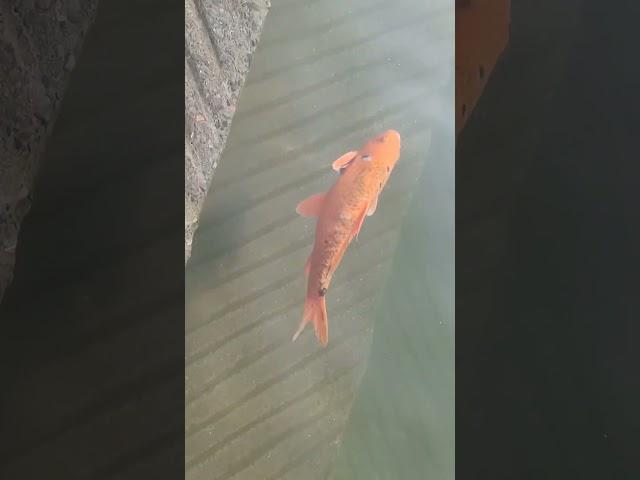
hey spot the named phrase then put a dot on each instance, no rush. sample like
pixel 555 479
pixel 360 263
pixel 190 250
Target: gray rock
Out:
pixel 220 39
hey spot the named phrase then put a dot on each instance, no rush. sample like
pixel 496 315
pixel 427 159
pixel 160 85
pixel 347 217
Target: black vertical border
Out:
pixel 92 342
pixel 547 252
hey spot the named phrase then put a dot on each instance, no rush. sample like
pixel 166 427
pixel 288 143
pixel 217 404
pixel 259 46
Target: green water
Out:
pixel 403 420
pixel 379 401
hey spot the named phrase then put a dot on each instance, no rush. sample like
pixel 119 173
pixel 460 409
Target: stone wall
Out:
pixel 220 38
pixel 40 42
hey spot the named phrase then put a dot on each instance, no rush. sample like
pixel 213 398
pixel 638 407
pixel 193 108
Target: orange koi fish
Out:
pixel 341 212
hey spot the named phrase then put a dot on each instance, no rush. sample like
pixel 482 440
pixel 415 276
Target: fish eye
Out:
pixel 366 157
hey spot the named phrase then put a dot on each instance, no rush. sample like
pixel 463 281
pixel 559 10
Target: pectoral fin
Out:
pixel 311 206
pixel 372 207
pixel 359 223
pixel 343 161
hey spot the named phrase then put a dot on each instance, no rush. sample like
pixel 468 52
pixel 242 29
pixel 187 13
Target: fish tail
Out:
pixel 315 311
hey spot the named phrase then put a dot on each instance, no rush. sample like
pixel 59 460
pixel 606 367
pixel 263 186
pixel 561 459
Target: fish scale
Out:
pixel 341 213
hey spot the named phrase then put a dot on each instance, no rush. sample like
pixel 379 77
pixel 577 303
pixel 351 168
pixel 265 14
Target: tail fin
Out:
pixel 315 311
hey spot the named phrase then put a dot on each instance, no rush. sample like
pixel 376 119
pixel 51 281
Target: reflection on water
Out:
pixel 326 77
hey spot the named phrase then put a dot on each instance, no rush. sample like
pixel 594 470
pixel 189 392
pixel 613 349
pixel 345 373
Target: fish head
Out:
pixel 383 149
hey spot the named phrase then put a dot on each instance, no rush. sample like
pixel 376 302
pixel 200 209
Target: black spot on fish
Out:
pixel 322 292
